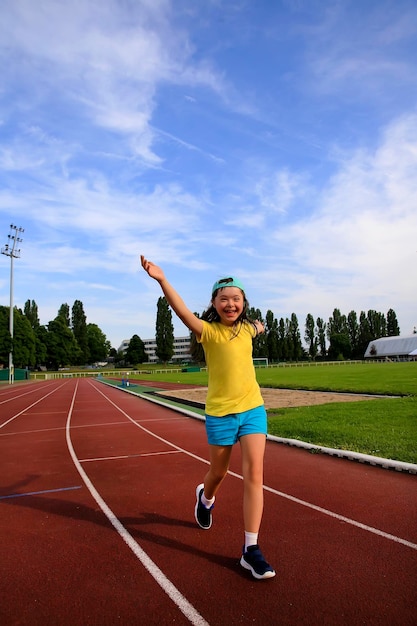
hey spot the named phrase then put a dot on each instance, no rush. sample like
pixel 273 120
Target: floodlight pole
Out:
pixel 11 251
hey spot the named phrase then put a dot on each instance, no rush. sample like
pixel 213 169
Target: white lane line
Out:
pixel 309 505
pixel 173 593
pixel 15 397
pixel 128 456
pixel 30 406
pixel 342 518
pixel 102 425
pixel 39 493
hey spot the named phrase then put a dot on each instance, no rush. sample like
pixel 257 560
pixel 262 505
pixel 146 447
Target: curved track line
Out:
pixel 149 432
pixel 309 505
pixel 30 406
pixel 174 594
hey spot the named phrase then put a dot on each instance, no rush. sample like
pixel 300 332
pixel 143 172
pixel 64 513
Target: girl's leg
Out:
pixel 253 449
pixel 219 464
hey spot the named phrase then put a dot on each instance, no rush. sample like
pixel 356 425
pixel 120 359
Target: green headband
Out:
pixel 227 282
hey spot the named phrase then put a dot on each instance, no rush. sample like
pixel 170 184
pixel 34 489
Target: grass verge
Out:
pixel 385 428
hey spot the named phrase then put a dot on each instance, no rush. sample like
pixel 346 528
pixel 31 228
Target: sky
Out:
pixel 272 140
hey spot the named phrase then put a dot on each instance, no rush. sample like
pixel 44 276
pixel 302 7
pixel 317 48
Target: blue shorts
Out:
pixel 227 430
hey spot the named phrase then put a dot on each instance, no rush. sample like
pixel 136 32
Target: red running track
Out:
pixel 97 523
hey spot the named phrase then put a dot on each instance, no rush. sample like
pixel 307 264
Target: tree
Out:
pixel 196 349
pixel 310 336
pixel 164 331
pixel 5 339
pixel 135 352
pixel 23 344
pixel 98 346
pixel 353 330
pixel 282 340
pixel 338 334
pixel 295 338
pixel 393 330
pixel 31 312
pixel 79 328
pixel 112 354
pixel 64 312
pixel 260 346
pixel 321 336
pixel 364 334
pixel 337 324
pixel 62 347
pixel 41 335
pixel 340 347
pixel 24 341
pixel 377 324
pixel 272 337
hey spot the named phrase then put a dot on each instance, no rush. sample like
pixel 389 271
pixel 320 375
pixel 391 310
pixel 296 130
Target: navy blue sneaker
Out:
pixel 254 561
pixel 202 514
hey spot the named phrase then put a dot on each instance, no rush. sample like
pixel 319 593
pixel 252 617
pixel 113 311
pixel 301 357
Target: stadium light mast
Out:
pixel 14 253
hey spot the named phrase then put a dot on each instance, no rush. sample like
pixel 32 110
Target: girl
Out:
pixel 234 406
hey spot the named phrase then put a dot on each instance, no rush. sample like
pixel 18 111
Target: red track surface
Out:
pixel 97 523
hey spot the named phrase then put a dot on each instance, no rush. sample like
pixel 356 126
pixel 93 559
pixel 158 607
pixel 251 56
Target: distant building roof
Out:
pixel 391 347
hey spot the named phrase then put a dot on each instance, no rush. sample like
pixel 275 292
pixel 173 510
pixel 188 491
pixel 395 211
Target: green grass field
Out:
pixel 386 427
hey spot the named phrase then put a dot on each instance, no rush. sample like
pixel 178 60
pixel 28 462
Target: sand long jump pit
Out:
pixel 277 398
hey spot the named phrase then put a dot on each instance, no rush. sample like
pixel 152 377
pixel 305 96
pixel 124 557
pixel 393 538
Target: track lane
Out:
pixel 158 425
pixel 21 404
pixel 157 574
pixel 324 566
pixel 72 557
pixel 12 393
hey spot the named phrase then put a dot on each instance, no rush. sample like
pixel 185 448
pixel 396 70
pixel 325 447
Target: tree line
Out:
pixel 341 337
pixel 68 340
pixel 65 341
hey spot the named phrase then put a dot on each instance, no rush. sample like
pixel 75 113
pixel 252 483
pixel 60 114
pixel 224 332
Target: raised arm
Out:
pixel 174 299
pixel 259 327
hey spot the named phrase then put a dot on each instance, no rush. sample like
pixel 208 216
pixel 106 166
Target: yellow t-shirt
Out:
pixel 232 384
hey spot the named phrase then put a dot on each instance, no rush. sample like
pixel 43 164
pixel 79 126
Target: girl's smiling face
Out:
pixel 229 303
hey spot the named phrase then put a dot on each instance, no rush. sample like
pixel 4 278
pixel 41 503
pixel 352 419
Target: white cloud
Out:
pixel 97 55
pixel 358 245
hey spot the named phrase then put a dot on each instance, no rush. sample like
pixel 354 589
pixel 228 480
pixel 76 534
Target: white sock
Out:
pixel 207 503
pixel 251 539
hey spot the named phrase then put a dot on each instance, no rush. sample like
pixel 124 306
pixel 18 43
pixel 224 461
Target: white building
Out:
pixel 392 347
pixel 181 349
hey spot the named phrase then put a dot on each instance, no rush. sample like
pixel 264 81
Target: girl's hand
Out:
pixel 174 299
pixel 153 270
pixel 259 327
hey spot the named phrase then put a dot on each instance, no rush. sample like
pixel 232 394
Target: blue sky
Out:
pixel 272 140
